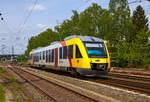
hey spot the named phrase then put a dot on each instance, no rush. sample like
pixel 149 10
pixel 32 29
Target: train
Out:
pixel 79 55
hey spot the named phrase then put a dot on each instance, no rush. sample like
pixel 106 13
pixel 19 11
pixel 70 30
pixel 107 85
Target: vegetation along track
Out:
pixel 56 93
pixel 133 83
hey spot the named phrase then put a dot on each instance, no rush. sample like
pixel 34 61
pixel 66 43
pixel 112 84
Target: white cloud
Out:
pixel 2 31
pixel 41 25
pixel 37 7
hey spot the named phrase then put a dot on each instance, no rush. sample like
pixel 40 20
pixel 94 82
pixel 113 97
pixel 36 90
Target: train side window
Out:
pixel 65 52
pixel 60 52
pixel 37 57
pixel 70 51
pixel 52 55
pixel 46 55
pixel 43 55
pixel 40 55
pixel 78 53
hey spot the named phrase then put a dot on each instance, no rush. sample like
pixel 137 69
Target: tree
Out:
pixel 139 19
pixel 120 13
pixel 68 27
pixel 88 23
pixel 41 40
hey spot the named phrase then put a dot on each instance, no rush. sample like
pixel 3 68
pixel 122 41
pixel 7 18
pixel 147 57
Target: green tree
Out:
pixel 88 23
pixel 120 12
pixel 41 40
pixel 69 27
pixel 139 19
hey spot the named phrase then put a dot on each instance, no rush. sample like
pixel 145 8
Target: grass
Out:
pixel 2 94
pixel 2 70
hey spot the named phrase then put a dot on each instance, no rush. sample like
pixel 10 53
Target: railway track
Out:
pixel 133 83
pixel 55 92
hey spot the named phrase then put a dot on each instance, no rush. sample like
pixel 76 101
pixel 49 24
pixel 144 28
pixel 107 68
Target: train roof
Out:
pixel 56 43
pixel 84 38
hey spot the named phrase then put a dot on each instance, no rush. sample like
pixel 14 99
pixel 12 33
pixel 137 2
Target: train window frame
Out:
pixel 79 52
pixel 64 52
pixel 70 51
pixel 60 53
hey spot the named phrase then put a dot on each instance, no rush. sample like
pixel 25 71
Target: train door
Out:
pixel 78 56
pixel 74 60
pixel 56 58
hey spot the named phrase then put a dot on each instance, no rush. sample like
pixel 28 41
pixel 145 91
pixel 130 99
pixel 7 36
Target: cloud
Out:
pixel 37 7
pixel 41 25
pixel 2 31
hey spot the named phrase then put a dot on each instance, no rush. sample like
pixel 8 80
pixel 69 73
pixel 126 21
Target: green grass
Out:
pixel 2 94
pixel 2 70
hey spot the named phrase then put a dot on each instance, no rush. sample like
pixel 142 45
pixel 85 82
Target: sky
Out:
pixel 21 22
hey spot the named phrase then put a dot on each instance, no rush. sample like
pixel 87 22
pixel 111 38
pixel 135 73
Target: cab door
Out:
pixel 74 59
pixel 78 57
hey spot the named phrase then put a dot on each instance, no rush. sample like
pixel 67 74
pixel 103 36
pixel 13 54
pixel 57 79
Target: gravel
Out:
pixel 116 93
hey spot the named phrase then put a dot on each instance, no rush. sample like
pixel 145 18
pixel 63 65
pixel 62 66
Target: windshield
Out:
pixel 96 49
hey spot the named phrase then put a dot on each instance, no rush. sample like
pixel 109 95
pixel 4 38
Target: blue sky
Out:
pixel 46 14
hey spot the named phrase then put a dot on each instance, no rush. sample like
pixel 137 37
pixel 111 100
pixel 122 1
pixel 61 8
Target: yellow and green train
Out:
pixel 84 55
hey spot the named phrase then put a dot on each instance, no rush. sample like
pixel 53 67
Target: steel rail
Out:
pixel 49 82
pixel 36 86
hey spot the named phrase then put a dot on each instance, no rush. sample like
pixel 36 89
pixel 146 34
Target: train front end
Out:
pixel 96 59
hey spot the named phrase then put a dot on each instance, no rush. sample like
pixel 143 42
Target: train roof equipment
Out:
pixel 84 38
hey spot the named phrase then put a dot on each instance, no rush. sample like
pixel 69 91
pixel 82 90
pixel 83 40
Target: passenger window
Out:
pixel 43 55
pixel 70 51
pixel 46 55
pixel 49 56
pixel 40 55
pixel 65 52
pixel 60 52
pixel 53 55
pixel 78 53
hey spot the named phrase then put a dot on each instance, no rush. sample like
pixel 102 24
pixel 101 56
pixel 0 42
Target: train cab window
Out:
pixel 70 51
pixel 60 52
pixel 65 52
pixel 52 55
pixel 78 53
